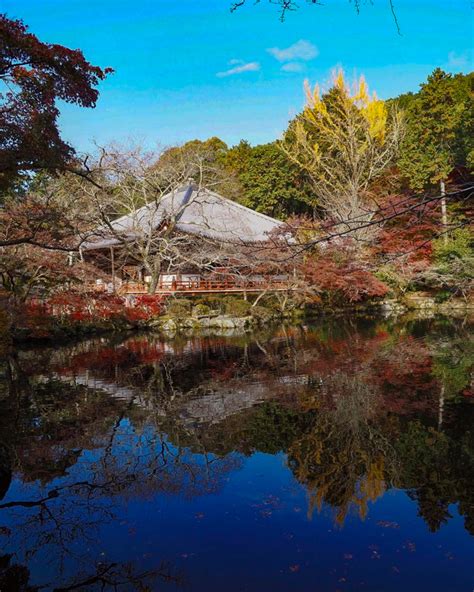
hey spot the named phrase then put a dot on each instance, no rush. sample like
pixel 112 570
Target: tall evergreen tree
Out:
pixel 428 153
pixel 435 143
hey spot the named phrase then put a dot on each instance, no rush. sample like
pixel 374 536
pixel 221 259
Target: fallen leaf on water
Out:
pixel 387 524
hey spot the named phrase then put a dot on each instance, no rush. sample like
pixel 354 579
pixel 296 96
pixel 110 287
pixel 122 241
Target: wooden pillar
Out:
pixel 112 261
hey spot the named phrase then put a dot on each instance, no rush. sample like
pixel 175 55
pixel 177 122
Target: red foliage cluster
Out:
pixel 103 359
pixel 85 308
pixel 144 307
pixel 408 233
pixel 337 275
pixel 37 75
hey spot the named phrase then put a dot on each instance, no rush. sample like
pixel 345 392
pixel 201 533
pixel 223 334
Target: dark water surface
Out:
pixel 336 456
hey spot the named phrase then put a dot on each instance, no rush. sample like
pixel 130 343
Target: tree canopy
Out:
pixel 270 182
pixel 439 129
pixel 344 139
pixel 35 75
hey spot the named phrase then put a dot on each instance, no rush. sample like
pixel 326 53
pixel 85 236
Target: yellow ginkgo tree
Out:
pixel 344 139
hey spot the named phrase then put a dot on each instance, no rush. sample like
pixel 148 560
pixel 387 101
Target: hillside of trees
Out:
pixel 438 143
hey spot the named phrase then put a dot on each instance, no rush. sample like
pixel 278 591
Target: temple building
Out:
pixel 191 239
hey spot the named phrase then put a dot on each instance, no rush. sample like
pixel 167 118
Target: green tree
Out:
pixel 431 148
pixel 435 143
pixel 270 182
pixel 209 169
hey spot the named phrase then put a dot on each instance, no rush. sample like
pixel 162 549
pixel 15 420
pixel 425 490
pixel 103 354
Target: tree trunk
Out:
pixel 441 407
pixel 153 283
pixel 444 212
pixel 155 272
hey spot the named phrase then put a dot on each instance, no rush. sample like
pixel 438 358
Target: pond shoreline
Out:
pixel 214 322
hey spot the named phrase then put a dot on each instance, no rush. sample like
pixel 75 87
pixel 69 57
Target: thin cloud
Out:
pixel 456 60
pixel 301 50
pixel 292 67
pixel 240 68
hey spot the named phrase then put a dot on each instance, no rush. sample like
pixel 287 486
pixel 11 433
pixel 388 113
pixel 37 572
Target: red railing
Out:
pixel 207 285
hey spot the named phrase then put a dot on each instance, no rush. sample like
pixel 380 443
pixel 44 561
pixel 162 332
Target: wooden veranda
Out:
pixel 204 287
pixel 199 286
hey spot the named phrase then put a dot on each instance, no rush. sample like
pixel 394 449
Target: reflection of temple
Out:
pixel 211 404
pixel 352 415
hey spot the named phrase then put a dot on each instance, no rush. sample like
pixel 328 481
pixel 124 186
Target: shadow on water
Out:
pixel 324 454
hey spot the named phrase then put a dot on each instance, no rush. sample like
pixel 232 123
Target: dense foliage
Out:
pixel 270 183
pixel 37 75
pixel 439 129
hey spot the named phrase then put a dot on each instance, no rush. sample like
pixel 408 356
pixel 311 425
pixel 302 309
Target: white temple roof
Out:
pixel 201 212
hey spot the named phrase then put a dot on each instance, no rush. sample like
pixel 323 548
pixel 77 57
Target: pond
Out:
pixel 335 456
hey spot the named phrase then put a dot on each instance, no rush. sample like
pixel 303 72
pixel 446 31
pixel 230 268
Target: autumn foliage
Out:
pixel 37 76
pixel 74 309
pixel 337 275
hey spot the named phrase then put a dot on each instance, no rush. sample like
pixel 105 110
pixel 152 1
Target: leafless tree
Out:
pixel 136 206
pixel 286 6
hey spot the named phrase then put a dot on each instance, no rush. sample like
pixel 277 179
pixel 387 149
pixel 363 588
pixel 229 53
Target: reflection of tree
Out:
pixel 343 456
pixel 106 576
pixel 131 465
pixel 14 577
pixel 335 424
pixel 97 450
pixel 53 423
pixel 438 469
pixel 453 362
pixel 354 409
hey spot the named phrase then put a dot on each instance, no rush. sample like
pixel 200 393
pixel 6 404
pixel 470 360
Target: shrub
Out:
pixel 393 278
pixel 215 303
pixel 456 277
pixel 179 308
pixel 458 246
pixel 201 310
pixel 261 314
pixel 237 307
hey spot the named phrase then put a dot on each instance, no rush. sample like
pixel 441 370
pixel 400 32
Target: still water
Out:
pixel 336 456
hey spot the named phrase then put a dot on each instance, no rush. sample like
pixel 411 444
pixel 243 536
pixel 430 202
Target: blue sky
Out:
pixel 189 69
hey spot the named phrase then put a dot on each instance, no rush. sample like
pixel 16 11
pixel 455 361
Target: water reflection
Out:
pixel 94 435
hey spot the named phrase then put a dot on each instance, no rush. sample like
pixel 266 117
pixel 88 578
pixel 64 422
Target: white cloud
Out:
pixel 239 67
pixel 292 67
pixel 457 60
pixel 301 50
